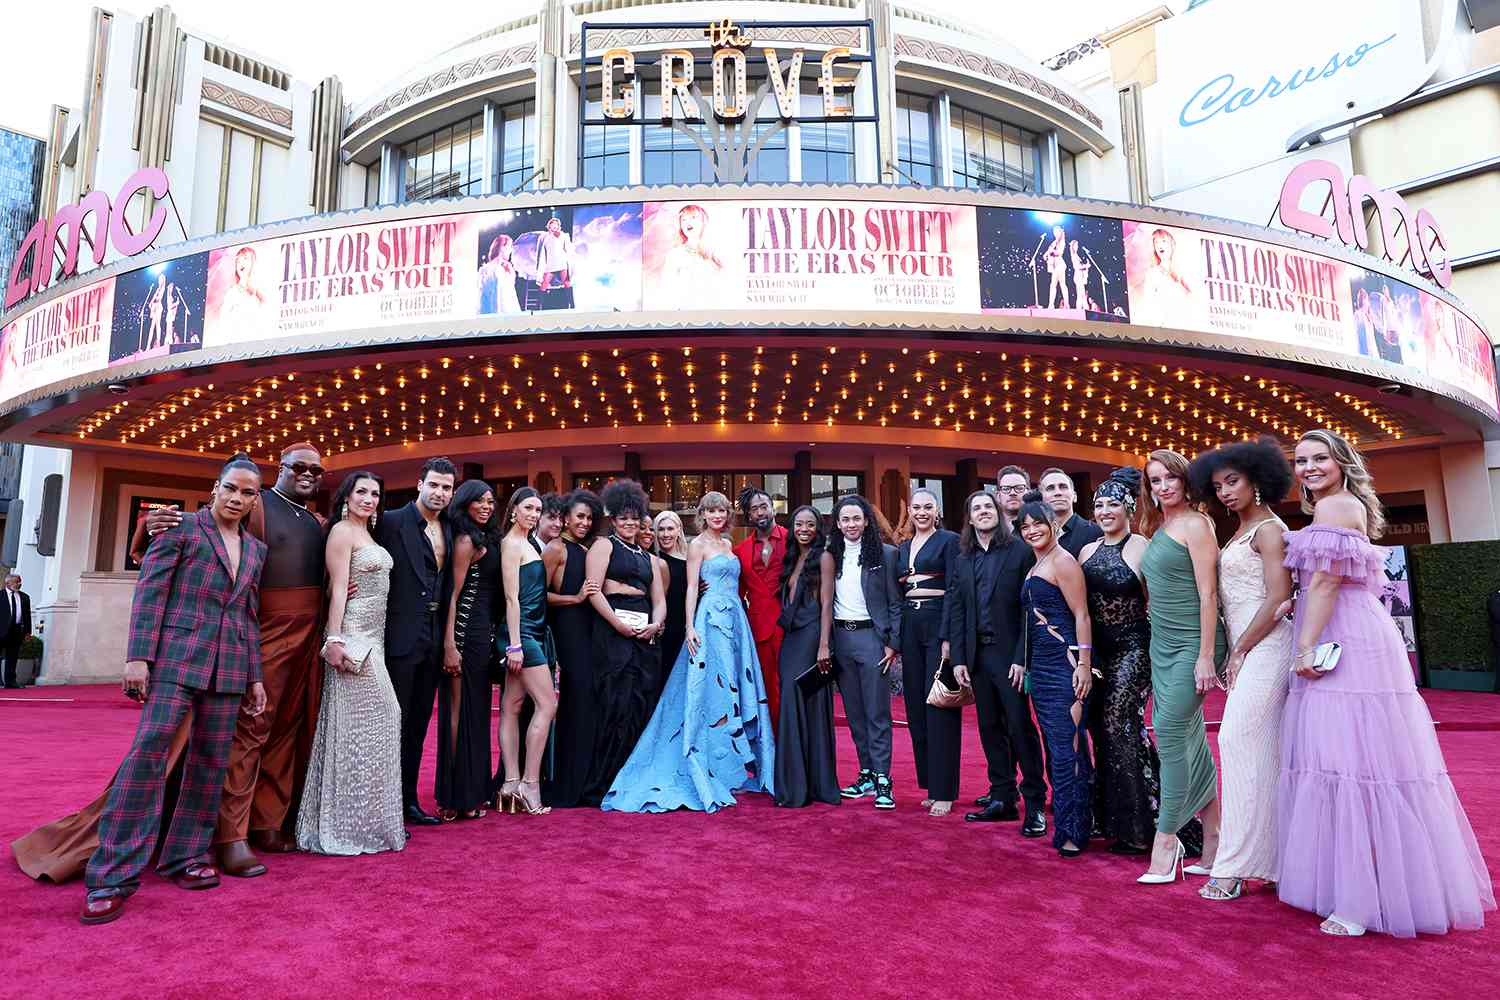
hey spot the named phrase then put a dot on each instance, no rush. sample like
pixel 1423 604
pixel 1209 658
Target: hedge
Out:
pixel 1451 585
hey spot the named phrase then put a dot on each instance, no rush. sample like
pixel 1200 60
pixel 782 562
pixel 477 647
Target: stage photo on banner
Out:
pixel 779 254
pixel 1052 264
pixel 356 277
pixel 1217 283
pixel 1387 319
pixel 581 257
pixel 68 336
pixel 158 310
pixel 1395 594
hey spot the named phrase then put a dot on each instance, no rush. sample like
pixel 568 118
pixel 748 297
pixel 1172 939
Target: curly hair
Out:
pixel 625 496
pixel 1260 461
pixel 595 506
pixel 484 536
pixel 555 504
pixel 812 566
pixel 1357 478
pixel 869 542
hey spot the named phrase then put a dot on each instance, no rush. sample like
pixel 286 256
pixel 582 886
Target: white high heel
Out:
pixel 1199 869
pixel 1339 927
pixel 1171 875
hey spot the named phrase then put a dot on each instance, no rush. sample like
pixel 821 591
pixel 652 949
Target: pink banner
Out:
pixel 66 337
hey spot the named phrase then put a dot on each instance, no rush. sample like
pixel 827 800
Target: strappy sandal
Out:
pixel 505 798
pixel 1214 889
pixel 1339 927
pixel 475 813
pixel 939 808
pixel 531 803
pixel 447 815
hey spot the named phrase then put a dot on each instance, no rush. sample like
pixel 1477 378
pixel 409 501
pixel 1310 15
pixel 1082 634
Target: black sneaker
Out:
pixel 883 797
pixel 863 785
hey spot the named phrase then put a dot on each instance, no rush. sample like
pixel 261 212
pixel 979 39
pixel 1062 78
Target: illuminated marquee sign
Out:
pixel 1426 247
pixel 735 58
pixel 42 242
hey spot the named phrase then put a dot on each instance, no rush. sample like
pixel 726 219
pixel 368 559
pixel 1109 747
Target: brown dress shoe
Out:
pixel 272 842
pixel 197 876
pixel 102 909
pixel 237 860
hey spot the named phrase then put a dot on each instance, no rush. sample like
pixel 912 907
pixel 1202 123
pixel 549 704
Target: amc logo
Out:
pixel 1422 233
pixel 33 268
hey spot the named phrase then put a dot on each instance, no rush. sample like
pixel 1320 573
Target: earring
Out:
pixel 1257 498
pixel 343 510
pixel 374 518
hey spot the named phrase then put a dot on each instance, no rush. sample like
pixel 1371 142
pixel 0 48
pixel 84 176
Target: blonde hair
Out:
pixel 670 515
pixel 714 500
pixel 1176 465
pixel 1357 478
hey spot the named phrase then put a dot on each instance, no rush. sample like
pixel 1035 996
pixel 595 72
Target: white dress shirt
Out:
pixel 849 590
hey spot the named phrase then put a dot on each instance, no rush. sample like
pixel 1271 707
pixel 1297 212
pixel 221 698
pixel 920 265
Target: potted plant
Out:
pixel 29 661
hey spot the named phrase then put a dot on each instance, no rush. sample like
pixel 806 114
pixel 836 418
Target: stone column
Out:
pixel 551 63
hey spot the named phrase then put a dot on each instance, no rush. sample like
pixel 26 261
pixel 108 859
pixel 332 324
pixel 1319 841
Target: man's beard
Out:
pixel 764 524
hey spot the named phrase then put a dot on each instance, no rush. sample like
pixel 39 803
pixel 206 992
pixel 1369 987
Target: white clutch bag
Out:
pixel 1325 656
pixel 633 619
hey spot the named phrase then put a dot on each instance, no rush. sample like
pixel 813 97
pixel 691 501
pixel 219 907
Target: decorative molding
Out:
pixel 247 104
pixel 489 64
pixel 630 38
pixel 973 62
pixel 1077 53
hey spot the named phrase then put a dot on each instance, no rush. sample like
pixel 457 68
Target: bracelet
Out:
pixel 513 649
pixel 1082 646
pixel 332 639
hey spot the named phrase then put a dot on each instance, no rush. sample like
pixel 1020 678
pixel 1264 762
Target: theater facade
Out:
pixel 813 247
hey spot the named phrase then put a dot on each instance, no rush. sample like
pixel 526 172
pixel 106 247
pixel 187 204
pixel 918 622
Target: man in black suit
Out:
pixel 420 540
pixel 1073 531
pixel 16 628
pixel 987 642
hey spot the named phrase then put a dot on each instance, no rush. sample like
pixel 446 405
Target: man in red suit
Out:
pixel 760 556
pixel 194 648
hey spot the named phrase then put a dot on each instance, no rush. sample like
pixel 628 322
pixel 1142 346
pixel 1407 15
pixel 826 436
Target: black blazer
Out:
pixel 945 543
pixel 8 632
pixel 882 595
pixel 416 581
pixel 1005 609
pixel 1076 533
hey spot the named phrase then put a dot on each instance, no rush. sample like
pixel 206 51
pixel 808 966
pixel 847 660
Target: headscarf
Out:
pixel 1122 486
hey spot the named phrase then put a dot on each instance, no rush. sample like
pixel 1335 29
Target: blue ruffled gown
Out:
pixel 711 733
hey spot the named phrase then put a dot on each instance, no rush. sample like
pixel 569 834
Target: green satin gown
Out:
pixel 1189 780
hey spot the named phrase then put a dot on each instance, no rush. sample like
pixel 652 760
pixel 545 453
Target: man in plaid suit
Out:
pixel 194 647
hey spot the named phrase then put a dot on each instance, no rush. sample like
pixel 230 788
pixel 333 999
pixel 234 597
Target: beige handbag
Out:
pixel 943 696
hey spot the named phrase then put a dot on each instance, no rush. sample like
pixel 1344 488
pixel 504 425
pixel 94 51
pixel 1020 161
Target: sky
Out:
pixel 369 42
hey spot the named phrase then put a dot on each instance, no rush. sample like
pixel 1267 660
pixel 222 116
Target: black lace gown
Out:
pixel 463 757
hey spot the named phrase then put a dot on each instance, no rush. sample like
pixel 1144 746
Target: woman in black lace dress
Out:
pixel 463 757
pixel 1126 782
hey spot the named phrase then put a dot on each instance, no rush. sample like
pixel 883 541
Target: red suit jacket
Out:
pixel 758 582
pixel 189 621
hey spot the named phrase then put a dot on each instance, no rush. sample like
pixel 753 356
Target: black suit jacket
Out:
pixel 8 632
pixel 1005 607
pixel 416 581
pixel 1076 533
pixel 882 596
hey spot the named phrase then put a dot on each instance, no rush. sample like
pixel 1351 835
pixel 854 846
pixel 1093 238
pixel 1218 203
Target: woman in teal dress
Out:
pixel 1180 568
pixel 528 655
pixel 710 735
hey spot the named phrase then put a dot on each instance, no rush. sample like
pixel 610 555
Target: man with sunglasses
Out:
pixel 269 756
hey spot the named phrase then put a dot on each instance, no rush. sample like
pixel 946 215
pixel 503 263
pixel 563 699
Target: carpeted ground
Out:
pixel 751 902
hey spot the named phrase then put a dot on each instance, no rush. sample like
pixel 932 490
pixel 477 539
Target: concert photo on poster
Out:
pixel 582 257
pixel 1052 264
pixel 159 309
pixel 1387 317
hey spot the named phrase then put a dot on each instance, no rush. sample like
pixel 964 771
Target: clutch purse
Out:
pixel 812 680
pixel 632 619
pixel 1325 656
pixel 946 692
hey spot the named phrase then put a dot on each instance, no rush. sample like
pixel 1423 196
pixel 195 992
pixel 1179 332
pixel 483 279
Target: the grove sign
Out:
pixel 1426 248
pixel 35 265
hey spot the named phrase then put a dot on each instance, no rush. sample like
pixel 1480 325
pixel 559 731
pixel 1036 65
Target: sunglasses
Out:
pixel 303 469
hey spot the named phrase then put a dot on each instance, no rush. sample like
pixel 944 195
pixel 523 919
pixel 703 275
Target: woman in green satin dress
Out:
pixel 528 654
pixel 1180 571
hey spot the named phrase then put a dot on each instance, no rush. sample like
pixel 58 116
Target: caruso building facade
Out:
pixel 815 247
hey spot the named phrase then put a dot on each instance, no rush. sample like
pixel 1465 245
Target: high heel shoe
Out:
pixel 1215 889
pixel 505 798
pixel 531 803
pixel 1171 875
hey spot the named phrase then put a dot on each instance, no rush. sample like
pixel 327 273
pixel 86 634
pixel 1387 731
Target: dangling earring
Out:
pixel 373 518
pixel 1257 497
pixel 1156 501
pixel 343 510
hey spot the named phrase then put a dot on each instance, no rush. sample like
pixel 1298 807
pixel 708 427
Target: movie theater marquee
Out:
pixel 736 58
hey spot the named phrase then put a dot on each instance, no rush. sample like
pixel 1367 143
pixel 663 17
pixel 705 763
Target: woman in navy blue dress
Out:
pixel 1059 673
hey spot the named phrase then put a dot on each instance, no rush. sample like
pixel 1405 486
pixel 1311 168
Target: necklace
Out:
pixel 297 508
pixel 633 548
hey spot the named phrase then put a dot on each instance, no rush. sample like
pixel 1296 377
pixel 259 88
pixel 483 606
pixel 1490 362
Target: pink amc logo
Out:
pixel 109 223
pixel 1422 233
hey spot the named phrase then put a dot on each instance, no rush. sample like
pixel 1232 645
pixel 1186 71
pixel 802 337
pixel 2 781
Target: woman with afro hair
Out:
pixel 1245 479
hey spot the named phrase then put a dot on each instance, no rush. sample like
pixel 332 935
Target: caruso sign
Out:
pixel 36 263
pixel 1425 247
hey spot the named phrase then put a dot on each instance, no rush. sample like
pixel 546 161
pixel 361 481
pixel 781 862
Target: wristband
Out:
pixel 332 639
pixel 513 649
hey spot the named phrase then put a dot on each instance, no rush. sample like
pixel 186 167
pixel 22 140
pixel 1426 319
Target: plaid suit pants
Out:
pixel 131 823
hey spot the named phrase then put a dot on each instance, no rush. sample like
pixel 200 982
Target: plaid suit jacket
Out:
pixel 191 622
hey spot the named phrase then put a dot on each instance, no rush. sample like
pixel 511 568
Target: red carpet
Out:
pixel 752 902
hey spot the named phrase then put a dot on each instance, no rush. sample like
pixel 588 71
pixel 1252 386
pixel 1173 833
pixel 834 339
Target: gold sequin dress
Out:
pixel 351 803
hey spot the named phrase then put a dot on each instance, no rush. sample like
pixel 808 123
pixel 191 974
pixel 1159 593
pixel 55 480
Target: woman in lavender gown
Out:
pixel 1372 835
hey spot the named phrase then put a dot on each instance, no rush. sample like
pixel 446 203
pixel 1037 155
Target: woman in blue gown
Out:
pixel 711 734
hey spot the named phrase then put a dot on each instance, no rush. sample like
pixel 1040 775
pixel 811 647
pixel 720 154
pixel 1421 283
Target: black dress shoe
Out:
pixel 995 812
pixel 1035 825
pixel 416 815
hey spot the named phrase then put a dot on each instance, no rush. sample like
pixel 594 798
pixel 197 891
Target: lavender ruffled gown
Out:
pixel 1369 825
